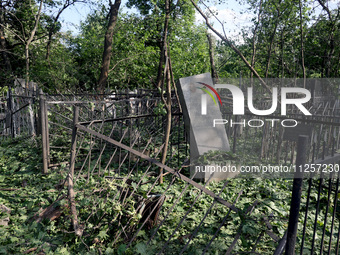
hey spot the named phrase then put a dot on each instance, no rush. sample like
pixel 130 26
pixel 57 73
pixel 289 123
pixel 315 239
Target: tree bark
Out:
pixel 166 77
pixel 270 47
pixel 114 8
pixel 254 41
pixel 3 44
pixel 214 74
pixel 302 51
pixel 163 45
pixel 29 41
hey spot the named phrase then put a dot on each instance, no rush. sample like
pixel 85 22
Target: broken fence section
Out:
pixel 113 189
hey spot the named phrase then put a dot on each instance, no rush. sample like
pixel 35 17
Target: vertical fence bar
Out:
pixel 9 114
pixel 310 183
pixel 334 214
pixel 71 195
pixel 47 137
pixel 31 112
pixel 42 103
pixel 296 195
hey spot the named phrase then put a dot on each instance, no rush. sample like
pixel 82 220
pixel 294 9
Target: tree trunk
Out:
pixel 114 8
pixel 3 45
pixel 254 41
pixel 214 74
pixel 29 41
pixel 165 77
pixel 27 57
pixel 52 28
pixel 270 48
pixel 302 51
pixel 162 57
pixel 327 63
pixel 282 55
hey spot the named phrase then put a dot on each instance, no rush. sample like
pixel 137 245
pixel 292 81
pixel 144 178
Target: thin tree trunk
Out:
pixel 3 44
pixel 163 45
pixel 114 8
pixel 52 28
pixel 330 56
pixel 168 117
pixel 214 74
pixel 29 41
pixel 282 55
pixel 254 41
pixel 270 49
pixel 327 63
pixel 160 64
pixel 167 77
pixel 4 50
pixel 302 50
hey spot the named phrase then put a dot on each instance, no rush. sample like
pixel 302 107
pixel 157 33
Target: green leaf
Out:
pixel 110 251
pixel 141 248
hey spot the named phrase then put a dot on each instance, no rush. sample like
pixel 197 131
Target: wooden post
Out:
pixel 43 132
pixel 71 195
pixel 296 195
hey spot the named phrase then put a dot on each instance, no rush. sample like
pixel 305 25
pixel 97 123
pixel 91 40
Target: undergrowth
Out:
pixel 26 191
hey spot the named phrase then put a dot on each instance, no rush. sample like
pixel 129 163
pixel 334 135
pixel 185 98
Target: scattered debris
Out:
pixel 52 212
pixel 6 210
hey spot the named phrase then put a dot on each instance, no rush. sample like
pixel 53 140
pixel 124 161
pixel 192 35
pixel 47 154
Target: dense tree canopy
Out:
pixel 286 39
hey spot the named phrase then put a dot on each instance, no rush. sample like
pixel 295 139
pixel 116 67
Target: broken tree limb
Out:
pixel 225 39
pixel 52 212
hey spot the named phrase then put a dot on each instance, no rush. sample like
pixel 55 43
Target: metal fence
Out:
pixel 314 214
pixel 118 188
pixel 113 177
pixel 135 111
pixel 18 114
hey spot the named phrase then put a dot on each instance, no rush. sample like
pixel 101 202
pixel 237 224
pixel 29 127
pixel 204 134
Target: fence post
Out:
pixel 47 133
pixel 31 112
pixel 71 195
pixel 43 116
pixel 9 120
pixel 296 195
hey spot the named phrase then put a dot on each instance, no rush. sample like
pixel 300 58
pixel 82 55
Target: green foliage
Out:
pixel 136 48
pixel 27 191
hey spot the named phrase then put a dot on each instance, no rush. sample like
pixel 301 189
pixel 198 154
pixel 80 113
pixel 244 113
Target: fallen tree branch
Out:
pixel 52 212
